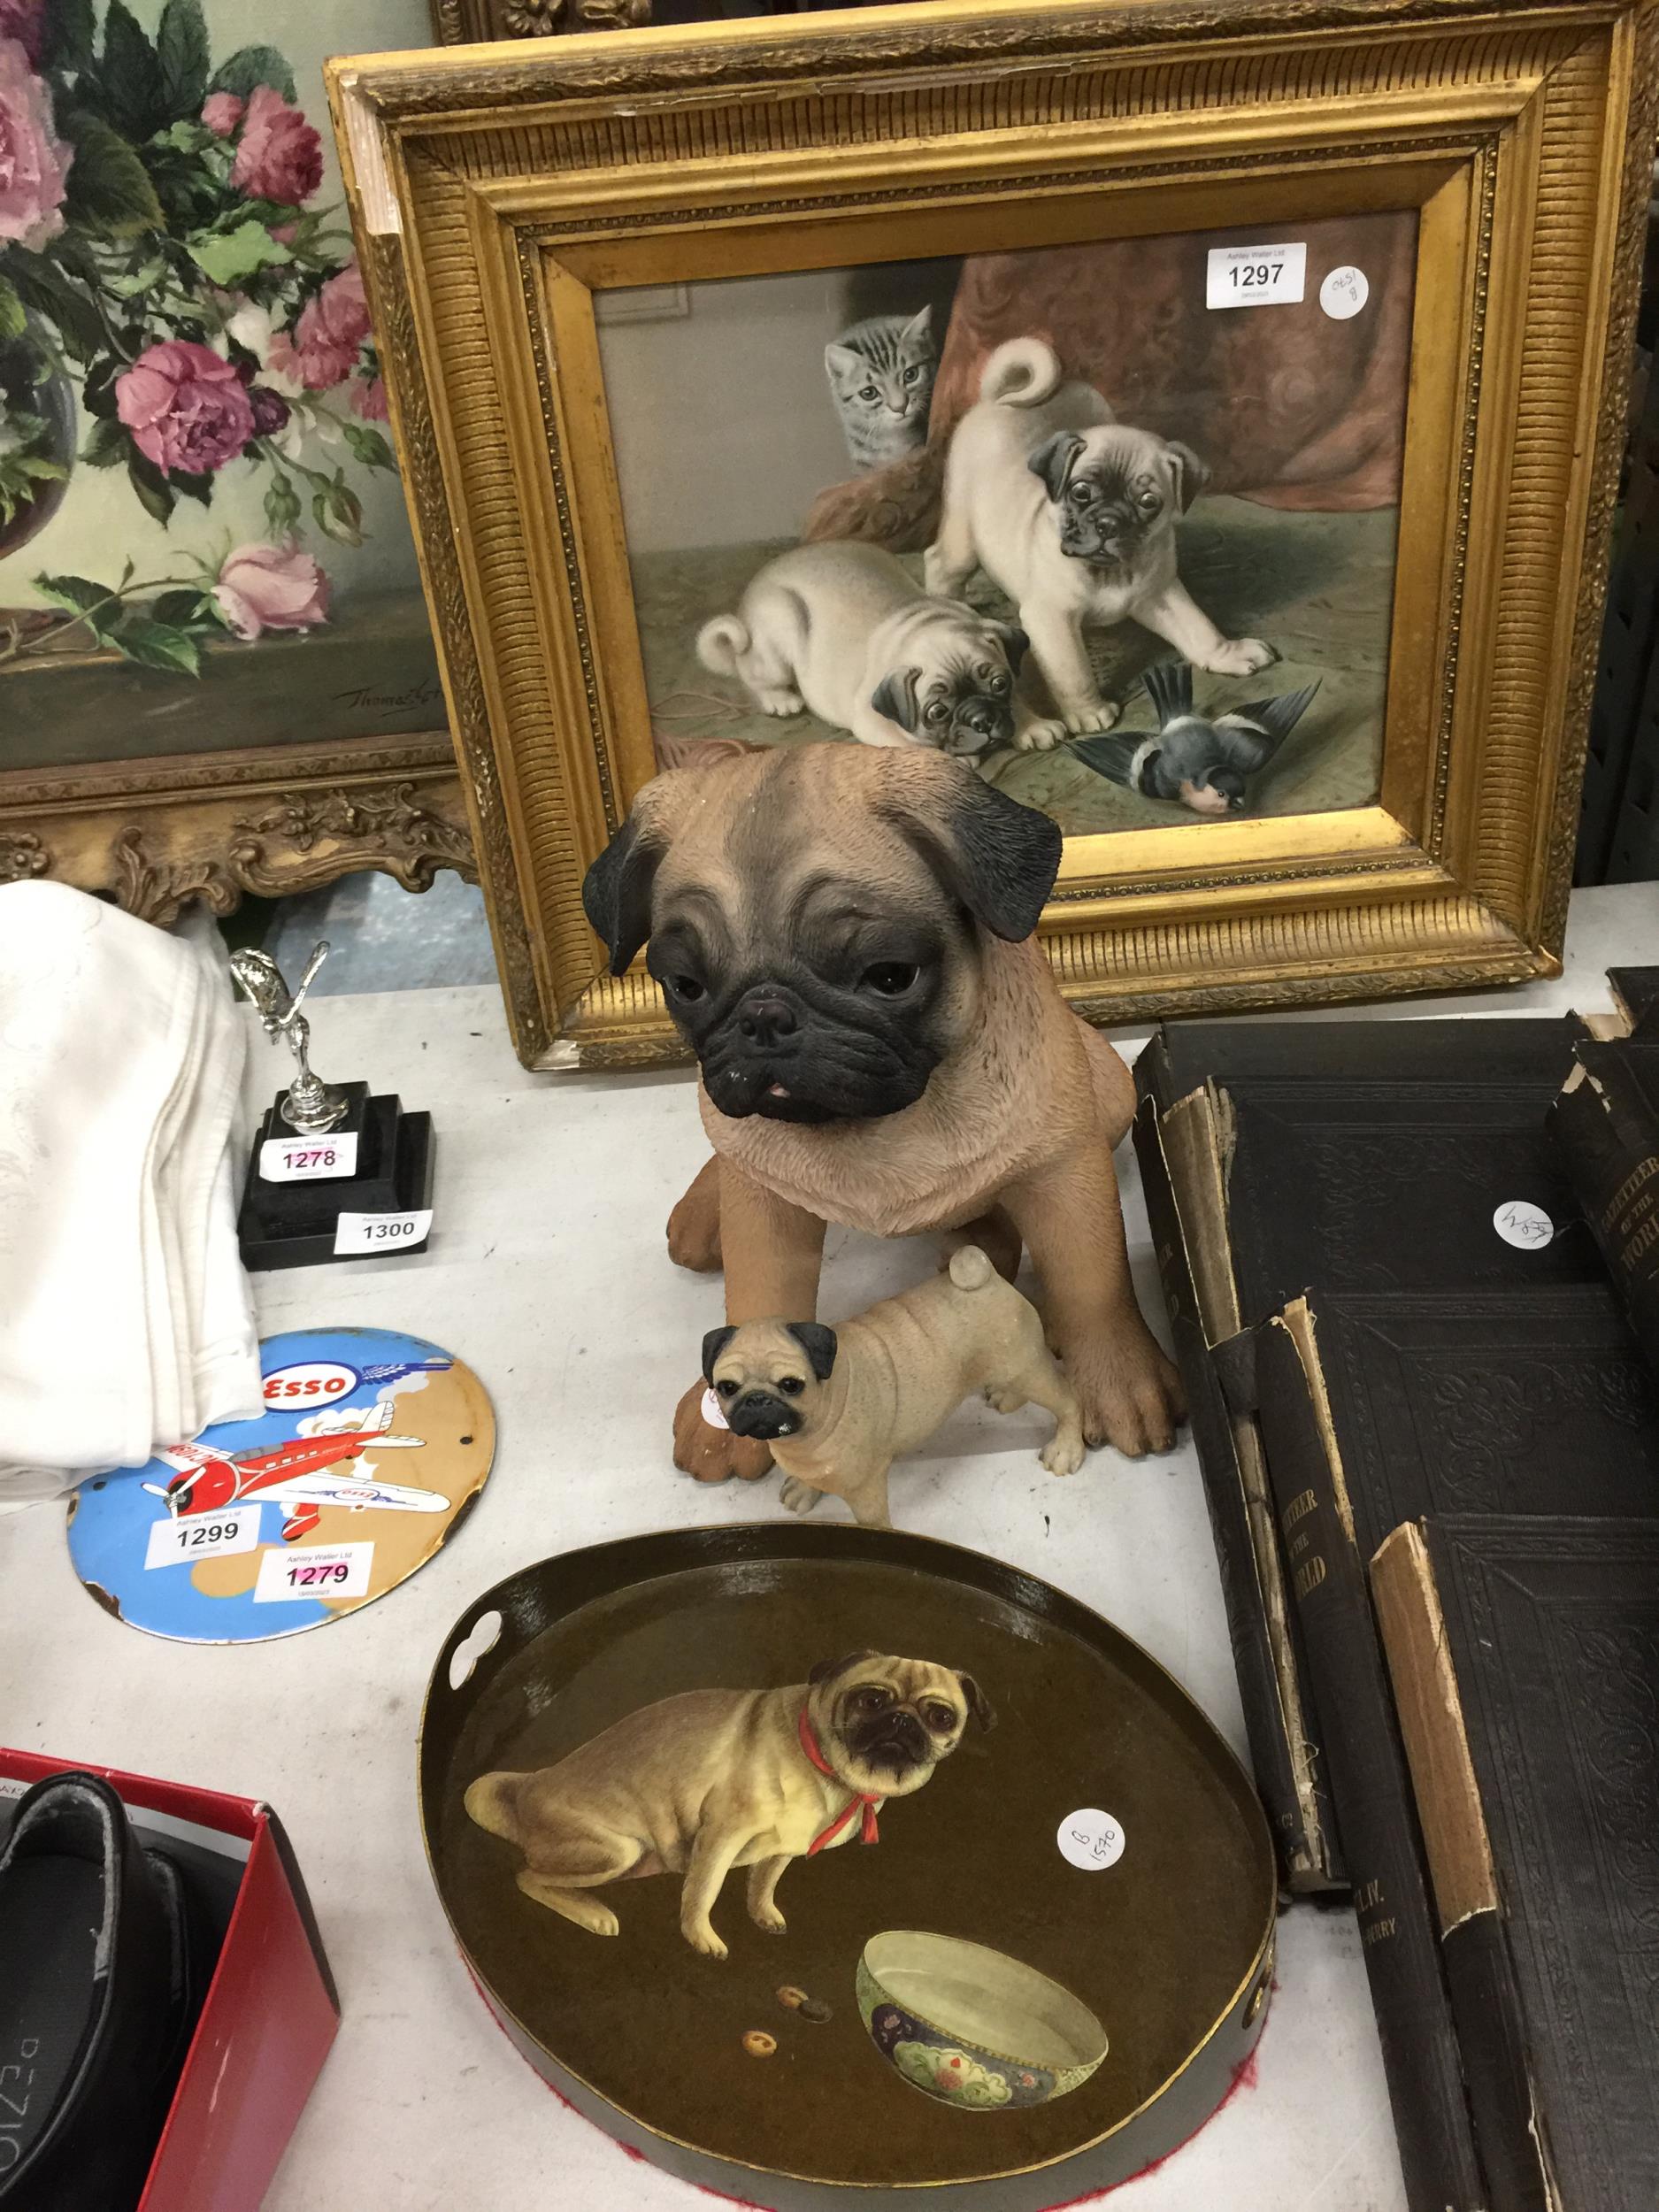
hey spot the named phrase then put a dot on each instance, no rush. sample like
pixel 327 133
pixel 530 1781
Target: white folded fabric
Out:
pixel 126 1322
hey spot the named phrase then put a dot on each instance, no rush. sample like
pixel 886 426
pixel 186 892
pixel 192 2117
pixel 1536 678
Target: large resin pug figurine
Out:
pixel 845 937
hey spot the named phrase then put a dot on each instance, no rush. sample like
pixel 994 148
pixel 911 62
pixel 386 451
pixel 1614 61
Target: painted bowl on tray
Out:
pixel 971 2026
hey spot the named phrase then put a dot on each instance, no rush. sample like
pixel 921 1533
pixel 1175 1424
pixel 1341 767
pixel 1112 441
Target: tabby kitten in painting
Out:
pixel 881 375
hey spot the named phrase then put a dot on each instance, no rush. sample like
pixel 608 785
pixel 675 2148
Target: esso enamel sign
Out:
pixel 317 1382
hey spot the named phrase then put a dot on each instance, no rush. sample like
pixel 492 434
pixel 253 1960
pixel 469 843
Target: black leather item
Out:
pixel 101 1975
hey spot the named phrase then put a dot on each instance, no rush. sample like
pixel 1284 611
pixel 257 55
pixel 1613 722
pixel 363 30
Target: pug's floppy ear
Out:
pixel 827 1669
pixel 1016 644
pixel 1054 458
pixel 1190 473
pixel 979 1706
pixel 895 696
pixel 819 1344
pixel 713 1345
pixel 996 857
pixel 617 892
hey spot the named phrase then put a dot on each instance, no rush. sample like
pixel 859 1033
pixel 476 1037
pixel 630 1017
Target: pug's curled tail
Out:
pixel 722 644
pixel 970 1269
pixel 492 1801
pixel 1023 373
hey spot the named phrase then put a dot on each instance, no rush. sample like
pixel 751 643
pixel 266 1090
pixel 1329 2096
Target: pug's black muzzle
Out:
pixel 978 723
pixel 757 1413
pixel 1109 537
pixel 893 1740
pixel 806 1053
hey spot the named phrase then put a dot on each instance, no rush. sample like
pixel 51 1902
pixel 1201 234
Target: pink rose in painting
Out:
pixel 34 161
pixel 368 398
pixel 272 588
pixel 221 111
pixel 322 349
pixel 24 21
pixel 342 306
pixel 185 407
pixel 279 156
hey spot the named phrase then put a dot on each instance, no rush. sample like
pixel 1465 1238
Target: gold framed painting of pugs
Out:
pixel 1210 433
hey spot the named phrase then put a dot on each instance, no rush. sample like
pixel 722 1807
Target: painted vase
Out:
pixel 32 386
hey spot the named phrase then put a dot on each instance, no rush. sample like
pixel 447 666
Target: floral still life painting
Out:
pixel 192 450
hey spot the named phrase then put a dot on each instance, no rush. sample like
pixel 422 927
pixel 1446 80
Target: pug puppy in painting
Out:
pixel 713 1780
pixel 1073 514
pixel 841 630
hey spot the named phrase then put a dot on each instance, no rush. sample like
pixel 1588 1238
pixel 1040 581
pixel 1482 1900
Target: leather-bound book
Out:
pixel 1487 1402
pixel 1636 995
pixel 1376 1156
pixel 1189 1239
pixel 1492 1052
pixel 1196 1077
pixel 1605 1124
pixel 1348 1684
pixel 1525 1657
pixel 1375 1411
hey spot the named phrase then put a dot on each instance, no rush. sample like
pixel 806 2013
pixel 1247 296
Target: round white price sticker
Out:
pixel 1525 1225
pixel 1344 292
pixel 1090 1839
pixel 712 1412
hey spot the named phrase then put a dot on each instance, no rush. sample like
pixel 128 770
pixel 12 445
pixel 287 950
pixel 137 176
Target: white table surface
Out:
pixel 547 1272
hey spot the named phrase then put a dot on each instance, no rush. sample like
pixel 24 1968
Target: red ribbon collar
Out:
pixel 868 1798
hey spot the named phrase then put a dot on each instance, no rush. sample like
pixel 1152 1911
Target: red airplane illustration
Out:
pixel 294 1474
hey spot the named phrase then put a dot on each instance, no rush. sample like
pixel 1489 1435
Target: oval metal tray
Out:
pixel 1171 1945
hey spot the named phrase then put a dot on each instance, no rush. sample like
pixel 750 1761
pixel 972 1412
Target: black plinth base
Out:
pixel 293 1225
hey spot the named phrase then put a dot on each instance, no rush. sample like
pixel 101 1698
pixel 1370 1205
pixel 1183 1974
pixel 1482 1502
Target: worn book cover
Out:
pixel 1605 1127
pixel 1502 1052
pixel 1390 1187
pixel 1188 1237
pixel 1636 995
pixel 1487 1402
pixel 1378 1155
pixel 1348 1686
pixel 1524 1656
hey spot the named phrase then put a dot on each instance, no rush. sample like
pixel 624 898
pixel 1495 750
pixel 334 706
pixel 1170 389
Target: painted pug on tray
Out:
pixel 712 1779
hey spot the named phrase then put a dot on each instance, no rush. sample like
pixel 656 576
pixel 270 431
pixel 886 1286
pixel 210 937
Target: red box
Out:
pixel 271 2010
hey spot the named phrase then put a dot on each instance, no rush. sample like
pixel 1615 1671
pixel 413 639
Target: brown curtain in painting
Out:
pixel 1288 406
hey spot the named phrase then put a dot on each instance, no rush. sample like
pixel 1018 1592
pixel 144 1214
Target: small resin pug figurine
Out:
pixel 838 1406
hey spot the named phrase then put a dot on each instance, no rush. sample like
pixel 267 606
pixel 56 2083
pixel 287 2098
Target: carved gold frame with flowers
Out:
pixel 496 190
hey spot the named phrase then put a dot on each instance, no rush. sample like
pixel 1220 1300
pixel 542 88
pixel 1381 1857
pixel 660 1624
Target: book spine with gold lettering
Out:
pixel 1606 1127
pixel 1370 1783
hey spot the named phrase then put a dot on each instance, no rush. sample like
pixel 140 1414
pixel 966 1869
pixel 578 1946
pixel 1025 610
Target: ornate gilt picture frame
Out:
pixel 986 171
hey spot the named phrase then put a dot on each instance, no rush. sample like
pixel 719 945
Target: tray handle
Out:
pixel 469 1642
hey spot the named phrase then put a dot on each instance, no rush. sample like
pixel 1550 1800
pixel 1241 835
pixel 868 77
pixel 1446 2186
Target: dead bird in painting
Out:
pixel 699 1783
pixel 1198 763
